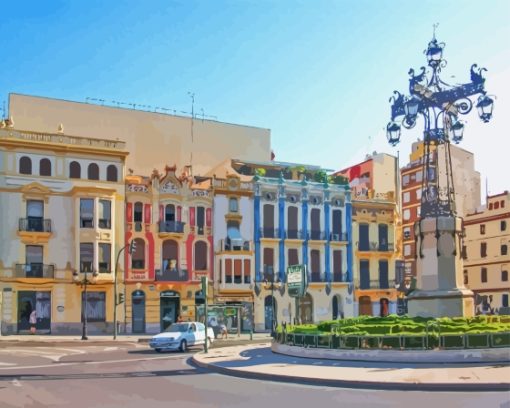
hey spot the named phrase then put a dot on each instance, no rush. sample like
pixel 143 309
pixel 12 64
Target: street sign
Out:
pixel 297 281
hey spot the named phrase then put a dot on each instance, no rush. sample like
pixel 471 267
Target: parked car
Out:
pixel 180 336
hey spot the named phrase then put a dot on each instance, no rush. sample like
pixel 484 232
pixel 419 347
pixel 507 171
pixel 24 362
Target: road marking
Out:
pixel 110 348
pixel 16 383
pixel 7 364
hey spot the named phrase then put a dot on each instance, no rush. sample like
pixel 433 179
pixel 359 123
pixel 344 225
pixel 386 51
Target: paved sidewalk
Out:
pixel 48 340
pixel 259 362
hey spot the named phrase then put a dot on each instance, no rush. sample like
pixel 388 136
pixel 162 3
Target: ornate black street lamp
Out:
pixel 83 283
pixel 439 104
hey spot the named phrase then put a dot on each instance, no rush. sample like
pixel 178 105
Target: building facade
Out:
pixel 300 222
pixel 64 197
pixel 466 184
pixel 169 218
pixel 486 256
pixel 376 233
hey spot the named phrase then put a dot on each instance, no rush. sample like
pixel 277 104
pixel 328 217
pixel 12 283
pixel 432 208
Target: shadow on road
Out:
pixel 95 376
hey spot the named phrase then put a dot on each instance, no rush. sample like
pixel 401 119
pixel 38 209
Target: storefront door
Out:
pixel 27 302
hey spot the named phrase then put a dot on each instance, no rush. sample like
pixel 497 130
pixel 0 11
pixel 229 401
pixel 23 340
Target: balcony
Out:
pixel 316 277
pixel 317 235
pixel 269 233
pixel 373 284
pixel 171 226
pixel 338 237
pixel 35 270
pixel 172 275
pixel 375 247
pixel 138 264
pixel 338 277
pixel 294 234
pixel 33 224
pixel 228 244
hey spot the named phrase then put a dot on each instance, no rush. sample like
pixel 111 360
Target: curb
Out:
pixel 396 386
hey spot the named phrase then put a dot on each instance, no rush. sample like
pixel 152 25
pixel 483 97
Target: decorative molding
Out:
pixel 169 187
pixel 137 188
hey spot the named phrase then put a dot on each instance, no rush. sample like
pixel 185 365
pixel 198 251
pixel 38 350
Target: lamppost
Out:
pixel 132 248
pixel 439 104
pixel 273 285
pixel 83 283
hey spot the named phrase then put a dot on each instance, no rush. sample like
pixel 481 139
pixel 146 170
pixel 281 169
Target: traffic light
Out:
pixel 132 247
pixel 121 298
pixel 199 298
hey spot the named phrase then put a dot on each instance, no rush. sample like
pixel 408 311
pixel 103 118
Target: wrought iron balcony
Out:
pixel 35 224
pixel 269 232
pixel 172 275
pixel 375 246
pixel 317 235
pixel 171 226
pixel 228 244
pixel 374 284
pixel 35 270
pixel 316 277
pixel 338 237
pixel 338 277
pixel 294 234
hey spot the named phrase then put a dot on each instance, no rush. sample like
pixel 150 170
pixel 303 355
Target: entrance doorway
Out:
pixel 365 306
pixel 138 311
pixel 268 311
pixel 384 303
pixel 169 308
pixel 41 302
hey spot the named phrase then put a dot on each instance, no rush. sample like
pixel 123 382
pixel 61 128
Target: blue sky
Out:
pixel 317 73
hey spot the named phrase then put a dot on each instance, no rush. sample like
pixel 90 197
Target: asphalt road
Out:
pixel 133 376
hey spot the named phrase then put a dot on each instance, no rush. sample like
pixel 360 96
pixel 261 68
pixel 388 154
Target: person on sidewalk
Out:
pixel 33 321
pixel 223 331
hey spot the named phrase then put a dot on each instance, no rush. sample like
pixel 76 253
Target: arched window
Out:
pixel 200 256
pixel 93 172
pixel 25 165
pixel 44 167
pixel 111 173
pixel 138 213
pixel 138 257
pixel 74 170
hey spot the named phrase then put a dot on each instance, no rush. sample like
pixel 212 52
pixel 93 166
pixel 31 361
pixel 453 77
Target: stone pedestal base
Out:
pixel 441 303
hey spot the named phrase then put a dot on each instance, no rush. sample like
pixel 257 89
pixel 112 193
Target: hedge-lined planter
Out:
pixel 405 342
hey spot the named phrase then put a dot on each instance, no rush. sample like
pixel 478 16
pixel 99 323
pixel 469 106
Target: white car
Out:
pixel 180 336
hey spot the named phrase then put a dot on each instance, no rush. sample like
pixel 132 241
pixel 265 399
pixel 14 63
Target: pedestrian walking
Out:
pixel 33 321
pixel 223 330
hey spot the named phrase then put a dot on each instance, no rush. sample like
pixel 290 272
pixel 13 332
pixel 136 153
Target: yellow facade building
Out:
pixel 486 256
pixel 62 206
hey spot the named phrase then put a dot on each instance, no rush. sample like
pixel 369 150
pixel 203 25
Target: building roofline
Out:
pixel 134 110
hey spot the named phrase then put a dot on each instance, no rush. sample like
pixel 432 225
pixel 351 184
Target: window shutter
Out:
pixel 147 213
pixel 129 212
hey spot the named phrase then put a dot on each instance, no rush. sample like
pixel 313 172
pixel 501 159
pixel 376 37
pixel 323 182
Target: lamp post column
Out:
pixel 84 334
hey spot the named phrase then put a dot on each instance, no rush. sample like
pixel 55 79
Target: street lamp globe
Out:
pixel 458 131
pixel 393 133
pixel 485 105
pixel 434 53
pixel 411 107
pixel 76 276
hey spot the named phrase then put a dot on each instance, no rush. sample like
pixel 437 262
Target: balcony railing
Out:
pixel 338 237
pixel 316 277
pixel 338 277
pixel 171 226
pixel 62 139
pixel 317 235
pixel 35 224
pixel 269 233
pixel 105 223
pixel 35 270
pixel 172 275
pixel 137 264
pixel 228 244
pixel 375 246
pixel 374 284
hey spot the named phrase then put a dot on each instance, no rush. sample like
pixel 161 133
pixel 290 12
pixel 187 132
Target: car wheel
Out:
pixel 158 350
pixel 184 346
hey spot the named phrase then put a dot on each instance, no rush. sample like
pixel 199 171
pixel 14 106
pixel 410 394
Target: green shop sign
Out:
pixel 297 281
